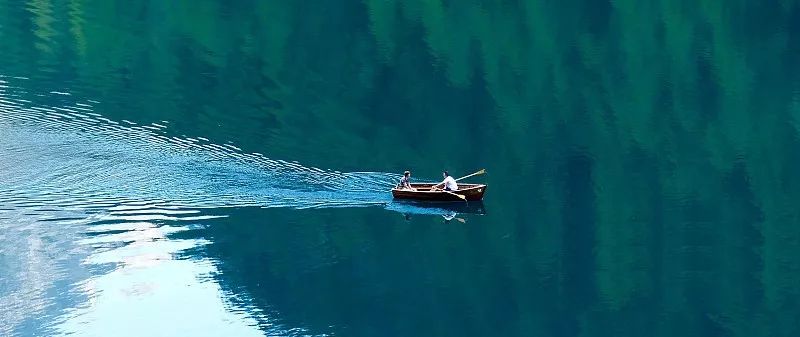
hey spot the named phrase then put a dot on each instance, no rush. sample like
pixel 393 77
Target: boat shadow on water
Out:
pixel 447 210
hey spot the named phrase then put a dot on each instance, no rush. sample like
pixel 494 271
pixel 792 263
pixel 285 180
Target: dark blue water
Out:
pixel 223 168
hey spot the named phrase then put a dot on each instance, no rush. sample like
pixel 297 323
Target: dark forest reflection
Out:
pixel 358 272
pixel 363 273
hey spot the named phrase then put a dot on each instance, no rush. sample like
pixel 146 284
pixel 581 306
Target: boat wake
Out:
pixel 68 155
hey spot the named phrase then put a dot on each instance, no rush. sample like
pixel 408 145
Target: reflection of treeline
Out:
pixel 679 120
pixel 366 271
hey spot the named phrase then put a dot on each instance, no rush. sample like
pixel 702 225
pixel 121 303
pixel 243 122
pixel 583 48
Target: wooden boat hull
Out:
pixel 473 192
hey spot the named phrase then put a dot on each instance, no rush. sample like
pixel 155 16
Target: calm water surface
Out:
pixel 221 168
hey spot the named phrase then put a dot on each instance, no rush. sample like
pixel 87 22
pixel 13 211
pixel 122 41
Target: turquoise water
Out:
pixel 222 168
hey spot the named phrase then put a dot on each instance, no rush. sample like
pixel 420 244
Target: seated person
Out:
pixel 449 183
pixel 404 184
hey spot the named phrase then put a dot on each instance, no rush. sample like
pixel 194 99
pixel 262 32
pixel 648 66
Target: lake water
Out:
pixel 221 168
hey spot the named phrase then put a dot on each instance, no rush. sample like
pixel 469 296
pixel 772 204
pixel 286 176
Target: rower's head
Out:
pixel 407 174
pixel 445 174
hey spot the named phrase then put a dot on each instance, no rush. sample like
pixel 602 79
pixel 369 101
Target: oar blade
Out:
pixel 457 195
pixel 482 171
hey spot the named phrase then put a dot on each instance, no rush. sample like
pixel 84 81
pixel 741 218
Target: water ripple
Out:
pixel 69 155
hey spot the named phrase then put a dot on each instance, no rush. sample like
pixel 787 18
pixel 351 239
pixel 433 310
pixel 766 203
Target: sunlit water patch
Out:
pixel 87 273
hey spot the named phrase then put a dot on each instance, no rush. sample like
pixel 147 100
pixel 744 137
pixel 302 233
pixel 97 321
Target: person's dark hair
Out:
pixel 445 173
pixel 406 173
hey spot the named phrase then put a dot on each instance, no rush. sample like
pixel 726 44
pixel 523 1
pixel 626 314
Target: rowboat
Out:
pixel 423 192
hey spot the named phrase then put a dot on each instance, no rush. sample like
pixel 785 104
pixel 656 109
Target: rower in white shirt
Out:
pixel 448 182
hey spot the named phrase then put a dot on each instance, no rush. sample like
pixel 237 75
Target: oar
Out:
pixel 458 195
pixel 482 171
